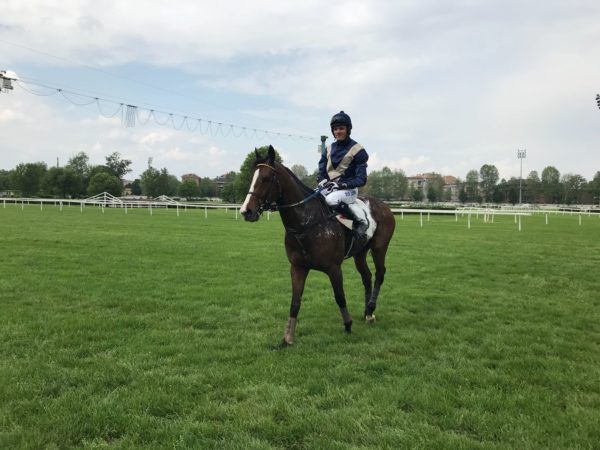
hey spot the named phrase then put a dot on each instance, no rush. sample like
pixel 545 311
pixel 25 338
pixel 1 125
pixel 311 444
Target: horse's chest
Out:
pixel 315 249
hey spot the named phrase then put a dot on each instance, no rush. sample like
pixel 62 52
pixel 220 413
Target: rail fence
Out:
pixel 107 201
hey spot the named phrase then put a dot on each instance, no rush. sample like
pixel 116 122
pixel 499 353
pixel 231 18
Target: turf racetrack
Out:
pixel 156 331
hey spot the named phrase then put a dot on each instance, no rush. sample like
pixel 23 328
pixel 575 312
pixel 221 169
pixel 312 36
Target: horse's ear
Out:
pixel 271 155
pixel 256 153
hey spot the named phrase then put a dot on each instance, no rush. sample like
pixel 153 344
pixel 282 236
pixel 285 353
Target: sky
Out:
pixel 431 86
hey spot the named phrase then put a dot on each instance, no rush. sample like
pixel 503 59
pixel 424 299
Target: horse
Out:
pixel 315 239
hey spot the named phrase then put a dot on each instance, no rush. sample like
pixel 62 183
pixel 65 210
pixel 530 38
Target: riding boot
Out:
pixel 360 223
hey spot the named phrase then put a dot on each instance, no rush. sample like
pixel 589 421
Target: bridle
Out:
pixel 264 204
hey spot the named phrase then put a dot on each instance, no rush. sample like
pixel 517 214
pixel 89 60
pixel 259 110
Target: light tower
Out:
pixel 521 154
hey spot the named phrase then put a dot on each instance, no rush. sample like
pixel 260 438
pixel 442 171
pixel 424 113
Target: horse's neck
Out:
pixel 303 214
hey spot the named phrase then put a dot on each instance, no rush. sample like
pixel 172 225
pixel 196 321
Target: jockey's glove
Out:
pixel 331 186
pixel 323 182
pixel 343 185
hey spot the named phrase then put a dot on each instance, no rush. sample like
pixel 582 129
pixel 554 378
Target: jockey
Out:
pixel 342 170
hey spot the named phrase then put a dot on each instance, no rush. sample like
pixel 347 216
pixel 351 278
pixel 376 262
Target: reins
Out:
pixel 276 206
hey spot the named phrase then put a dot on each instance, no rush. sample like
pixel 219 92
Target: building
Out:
pixel 421 180
pixel 191 176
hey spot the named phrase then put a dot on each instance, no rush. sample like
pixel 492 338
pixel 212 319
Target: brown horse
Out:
pixel 315 239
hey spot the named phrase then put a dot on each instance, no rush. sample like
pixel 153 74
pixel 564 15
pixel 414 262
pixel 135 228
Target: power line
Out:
pixel 106 72
pixel 130 115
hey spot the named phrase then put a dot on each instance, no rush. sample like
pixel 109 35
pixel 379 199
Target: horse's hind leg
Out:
pixel 360 261
pixel 337 282
pixel 379 260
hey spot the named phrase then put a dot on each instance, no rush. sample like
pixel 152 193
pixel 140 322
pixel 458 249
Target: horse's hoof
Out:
pixel 370 318
pixel 348 327
pixel 283 344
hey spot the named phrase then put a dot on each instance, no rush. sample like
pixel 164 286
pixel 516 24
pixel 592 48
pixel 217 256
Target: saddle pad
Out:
pixel 364 206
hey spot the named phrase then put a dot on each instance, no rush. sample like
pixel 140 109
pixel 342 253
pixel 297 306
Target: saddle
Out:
pixel 351 241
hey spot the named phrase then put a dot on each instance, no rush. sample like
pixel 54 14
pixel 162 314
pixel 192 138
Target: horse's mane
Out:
pixel 306 190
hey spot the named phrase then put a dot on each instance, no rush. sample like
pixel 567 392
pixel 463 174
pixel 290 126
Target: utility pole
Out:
pixel 521 154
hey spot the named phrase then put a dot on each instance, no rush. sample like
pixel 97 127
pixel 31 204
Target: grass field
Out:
pixel 138 331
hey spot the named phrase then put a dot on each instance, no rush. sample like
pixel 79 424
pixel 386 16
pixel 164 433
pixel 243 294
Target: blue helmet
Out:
pixel 341 119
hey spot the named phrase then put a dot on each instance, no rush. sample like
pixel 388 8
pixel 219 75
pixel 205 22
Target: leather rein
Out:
pixel 266 205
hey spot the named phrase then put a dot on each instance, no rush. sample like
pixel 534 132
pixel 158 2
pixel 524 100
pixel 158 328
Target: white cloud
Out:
pixel 154 137
pixel 430 86
pixel 9 115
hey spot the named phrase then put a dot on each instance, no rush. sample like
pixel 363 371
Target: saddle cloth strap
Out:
pixel 336 172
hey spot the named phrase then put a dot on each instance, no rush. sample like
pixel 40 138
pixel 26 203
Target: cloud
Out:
pixel 431 86
pixel 154 137
pixel 9 115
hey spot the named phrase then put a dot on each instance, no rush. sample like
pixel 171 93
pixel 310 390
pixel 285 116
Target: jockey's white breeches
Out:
pixel 334 198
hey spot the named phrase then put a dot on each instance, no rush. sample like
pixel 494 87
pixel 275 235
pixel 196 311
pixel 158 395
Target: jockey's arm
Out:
pixel 360 173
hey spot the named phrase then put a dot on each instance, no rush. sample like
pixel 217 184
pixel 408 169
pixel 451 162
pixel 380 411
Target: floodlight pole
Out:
pixel 521 154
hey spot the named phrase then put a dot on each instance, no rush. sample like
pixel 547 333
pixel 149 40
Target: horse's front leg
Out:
pixel 299 275
pixel 337 283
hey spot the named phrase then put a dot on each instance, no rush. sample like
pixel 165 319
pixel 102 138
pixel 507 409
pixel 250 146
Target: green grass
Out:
pixel 138 331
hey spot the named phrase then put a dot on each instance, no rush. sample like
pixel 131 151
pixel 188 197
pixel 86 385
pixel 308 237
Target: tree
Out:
pixel 244 177
pixel 573 188
pixel 472 186
pixel 551 184
pixel 510 190
pixel 119 167
pixel 207 188
pixel 158 182
pixel 172 183
pixel 311 180
pixel 299 170
pixel 387 184
pixel 489 178
pixel 136 187
pixel 28 178
pixel 399 184
pixel 228 190
pixel 149 181
pixel 105 182
pixel 435 187
pixel 5 180
pixel 462 191
pixel 62 182
pixel 594 187
pixel 79 163
pixel 533 187
pixel 189 189
pixel 417 195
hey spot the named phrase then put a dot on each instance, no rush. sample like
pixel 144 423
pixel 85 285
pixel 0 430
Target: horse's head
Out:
pixel 264 188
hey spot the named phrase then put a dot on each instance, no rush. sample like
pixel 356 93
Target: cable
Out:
pixel 130 113
pixel 105 72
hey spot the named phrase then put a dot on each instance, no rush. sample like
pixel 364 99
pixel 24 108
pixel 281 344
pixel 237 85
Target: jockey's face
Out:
pixel 340 132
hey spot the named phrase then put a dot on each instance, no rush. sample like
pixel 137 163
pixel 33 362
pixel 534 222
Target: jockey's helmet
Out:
pixel 341 119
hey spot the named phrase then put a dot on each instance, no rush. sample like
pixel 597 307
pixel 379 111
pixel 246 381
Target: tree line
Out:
pixel 78 178
pixel 551 187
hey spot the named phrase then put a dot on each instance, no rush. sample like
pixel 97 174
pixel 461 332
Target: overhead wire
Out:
pixel 130 115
